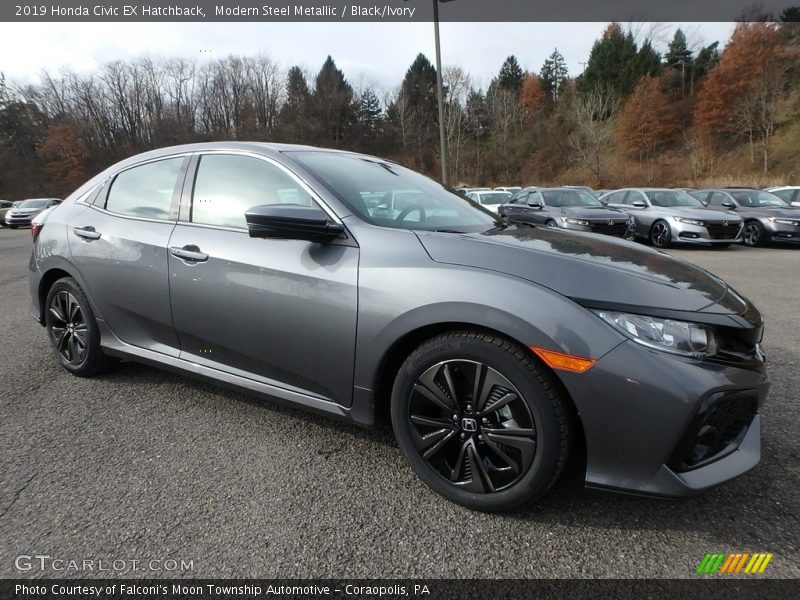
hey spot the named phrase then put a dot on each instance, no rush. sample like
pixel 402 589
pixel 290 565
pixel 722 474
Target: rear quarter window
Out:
pixel 145 191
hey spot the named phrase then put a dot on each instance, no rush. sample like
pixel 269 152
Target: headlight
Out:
pixel 574 221
pixel 688 221
pixel 784 221
pixel 676 337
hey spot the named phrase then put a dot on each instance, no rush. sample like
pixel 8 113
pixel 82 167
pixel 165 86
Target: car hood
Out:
pixel 583 212
pixel 698 213
pixel 597 270
pixel 25 211
pixel 790 212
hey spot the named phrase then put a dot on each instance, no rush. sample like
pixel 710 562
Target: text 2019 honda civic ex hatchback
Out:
pixel 498 348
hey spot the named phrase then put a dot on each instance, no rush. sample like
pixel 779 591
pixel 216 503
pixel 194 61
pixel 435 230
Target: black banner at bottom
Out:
pixel 251 589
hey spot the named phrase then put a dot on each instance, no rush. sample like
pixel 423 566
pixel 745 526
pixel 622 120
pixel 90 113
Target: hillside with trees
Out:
pixel 693 116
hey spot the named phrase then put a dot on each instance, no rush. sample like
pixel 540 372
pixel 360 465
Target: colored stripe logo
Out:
pixel 736 562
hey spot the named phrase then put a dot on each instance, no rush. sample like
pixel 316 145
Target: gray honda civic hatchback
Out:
pixel 497 351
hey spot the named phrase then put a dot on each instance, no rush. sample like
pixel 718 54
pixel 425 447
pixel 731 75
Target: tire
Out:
pixel 660 234
pixel 551 223
pixel 449 440
pixel 13 226
pixel 753 234
pixel 72 330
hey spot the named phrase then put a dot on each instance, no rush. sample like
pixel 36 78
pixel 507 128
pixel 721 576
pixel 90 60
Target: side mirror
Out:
pixel 536 205
pixel 727 204
pixel 639 204
pixel 604 201
pixel 291 222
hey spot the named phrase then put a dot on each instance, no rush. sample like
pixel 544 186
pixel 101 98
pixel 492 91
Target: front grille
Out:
pixel 618 228
pixel 716 431
pixel 718 231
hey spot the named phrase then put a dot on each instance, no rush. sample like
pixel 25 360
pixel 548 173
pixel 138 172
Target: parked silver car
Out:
pixel 767 218
pixel 5 206
pixel 788 193
pixel 665 216
pixel 22 214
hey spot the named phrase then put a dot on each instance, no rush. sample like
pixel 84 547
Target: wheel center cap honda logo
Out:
pixel 469 424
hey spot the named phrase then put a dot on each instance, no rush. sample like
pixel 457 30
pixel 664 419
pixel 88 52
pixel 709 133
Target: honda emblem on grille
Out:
pixel 611 221
pixel 469 424
pixel 724 223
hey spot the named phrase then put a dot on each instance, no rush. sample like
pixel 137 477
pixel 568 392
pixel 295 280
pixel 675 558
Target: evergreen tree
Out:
pixel 678 55
pixel 648 61
pixel 706 59
pixel 368 112
pixel 510 76
pixel 554 75
pixel 420 111
pixel 612 63
pixel 293 115
pixel 332 102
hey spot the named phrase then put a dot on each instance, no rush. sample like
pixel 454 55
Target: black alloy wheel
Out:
pixel 660 234
pixel 480 420
pixel 73 330
pixel 753 234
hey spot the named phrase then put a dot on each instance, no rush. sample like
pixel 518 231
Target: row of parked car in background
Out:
pixel 21 213
pixel 662 216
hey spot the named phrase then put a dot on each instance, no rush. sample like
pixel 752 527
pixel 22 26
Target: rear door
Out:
pixel 119 246
pixel 278 311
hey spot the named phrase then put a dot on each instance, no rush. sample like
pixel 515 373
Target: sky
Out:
pixel 374 54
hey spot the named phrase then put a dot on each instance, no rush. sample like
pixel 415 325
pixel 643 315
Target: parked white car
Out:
pixel 788 193
pixel 490 199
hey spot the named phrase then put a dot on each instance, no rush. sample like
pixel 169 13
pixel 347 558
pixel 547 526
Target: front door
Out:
pixel 279 311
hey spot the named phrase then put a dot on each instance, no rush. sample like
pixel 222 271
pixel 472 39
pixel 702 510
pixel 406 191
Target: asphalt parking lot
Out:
pixel 143 464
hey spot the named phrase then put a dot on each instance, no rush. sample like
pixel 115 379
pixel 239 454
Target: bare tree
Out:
pixel 592 132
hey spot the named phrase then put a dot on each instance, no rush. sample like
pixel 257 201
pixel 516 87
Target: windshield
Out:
pixel 756 198
pixel 32 203
pixel 493 197
pixel 388 195
pixel 560 198
pixel 668 198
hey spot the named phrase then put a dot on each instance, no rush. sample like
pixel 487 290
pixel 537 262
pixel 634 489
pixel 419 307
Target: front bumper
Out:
pixel 684 233
pixel 778 232
pixel 637 407
pixel 21 220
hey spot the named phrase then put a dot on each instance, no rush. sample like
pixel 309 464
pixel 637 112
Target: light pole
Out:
pixel 440 90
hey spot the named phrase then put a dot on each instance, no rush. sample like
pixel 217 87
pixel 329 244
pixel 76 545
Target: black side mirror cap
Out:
pixel 292 222
pixel 727 204
pixel 639 204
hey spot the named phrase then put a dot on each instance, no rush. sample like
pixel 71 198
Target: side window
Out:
pixel 702 196
pixel 617 197
pixel 717 198
pixel 146 190
pixel 785 195
pixel 228 185
pixel 519 197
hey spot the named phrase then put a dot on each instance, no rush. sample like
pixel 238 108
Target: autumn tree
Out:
pixel 62 153
pixel 646 123
pixel 742 93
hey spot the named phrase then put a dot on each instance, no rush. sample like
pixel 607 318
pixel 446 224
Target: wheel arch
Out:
pixel 394 356
pixel 46 281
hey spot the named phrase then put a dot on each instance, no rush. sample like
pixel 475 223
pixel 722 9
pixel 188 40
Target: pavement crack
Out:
pixel 16 496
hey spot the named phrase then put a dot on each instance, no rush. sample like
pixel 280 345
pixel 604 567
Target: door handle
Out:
pixel 189 253
pixel 87 233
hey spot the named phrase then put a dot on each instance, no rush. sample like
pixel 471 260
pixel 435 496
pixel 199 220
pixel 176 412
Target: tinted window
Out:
pixel 409 200
pixel 785 195
pixel 227 186
pixel 702 196
pixel 570 197
pixel 616 197
pixel 491 198
pixel 145 191
pixel 755 198
pixel 519 197
pixel 670 198
pixel 33 203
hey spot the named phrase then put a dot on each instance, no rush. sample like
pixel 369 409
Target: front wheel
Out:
pixel 660 234
pixel 480 420
pixel 753 234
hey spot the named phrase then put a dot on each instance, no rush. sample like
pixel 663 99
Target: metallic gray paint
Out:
pixel 312 325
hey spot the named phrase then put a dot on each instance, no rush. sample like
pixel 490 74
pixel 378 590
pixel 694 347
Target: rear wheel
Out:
pixel 73 331
pixel 753 234
pixel 480 420
pixel 660 234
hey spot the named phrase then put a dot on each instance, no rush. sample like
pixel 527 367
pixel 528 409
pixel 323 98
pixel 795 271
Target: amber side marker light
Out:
pixel 565 362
